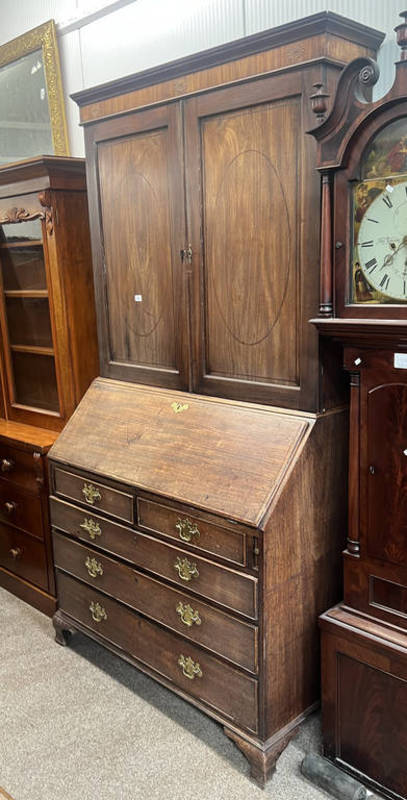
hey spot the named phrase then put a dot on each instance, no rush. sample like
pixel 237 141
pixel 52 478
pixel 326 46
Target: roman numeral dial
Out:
pixel 381 247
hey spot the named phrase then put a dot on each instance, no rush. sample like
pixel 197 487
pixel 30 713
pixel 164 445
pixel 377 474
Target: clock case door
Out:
pixel 345 181
pixel 343 138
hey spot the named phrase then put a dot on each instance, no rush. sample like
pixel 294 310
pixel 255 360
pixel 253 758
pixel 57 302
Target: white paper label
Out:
pixel 400 360
pixel 138 298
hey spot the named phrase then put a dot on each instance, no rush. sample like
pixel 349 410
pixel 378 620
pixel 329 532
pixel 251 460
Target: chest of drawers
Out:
pixel 26 567
pixel 194 543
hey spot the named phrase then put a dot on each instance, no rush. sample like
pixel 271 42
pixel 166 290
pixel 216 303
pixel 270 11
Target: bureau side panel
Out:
pixel 304 536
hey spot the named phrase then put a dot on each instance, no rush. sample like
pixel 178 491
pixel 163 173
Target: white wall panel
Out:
pixel 19 16
pixel 150 32
pixel 72 79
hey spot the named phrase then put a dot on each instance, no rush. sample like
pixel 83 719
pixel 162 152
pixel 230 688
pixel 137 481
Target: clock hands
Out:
pixel 390 256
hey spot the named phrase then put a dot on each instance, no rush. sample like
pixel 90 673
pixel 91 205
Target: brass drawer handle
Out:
pixel 94 567
pixel 16 552
pixel 10 507
pixel 7 465
pixel 190 668
pixel 186 569
pixel 91 527
pixel 187 614
pixel 91 493
pixel 187 529
pixel 97 611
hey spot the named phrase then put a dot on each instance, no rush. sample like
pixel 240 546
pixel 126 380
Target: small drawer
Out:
pixel 20 467
pixel 23 555
pixel 20 508
pixel 94 495
pixel 234 590
pixel 191 529
pixel 221 633
pixel 232 694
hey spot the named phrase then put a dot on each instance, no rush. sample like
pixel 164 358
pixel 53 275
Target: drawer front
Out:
pixel 189 529
pixel 219 685
pixel 197 621
pixel 94 495
pixel 19 466
pixel 23 555
pixel 225 586
pixel 20 508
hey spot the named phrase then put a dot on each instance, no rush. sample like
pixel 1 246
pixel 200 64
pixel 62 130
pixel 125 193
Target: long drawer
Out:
pixel 222 687
pixel 221 633
pixel 23 555
pixel 20 508
pixel 94 494
pixel 189 528
pixel 231 589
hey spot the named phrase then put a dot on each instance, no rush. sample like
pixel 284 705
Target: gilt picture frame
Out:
pixel 32 109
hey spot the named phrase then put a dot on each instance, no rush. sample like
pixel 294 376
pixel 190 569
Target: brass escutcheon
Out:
pixel 187 614
pixel 186 569
pixel 190 668
pixel 187 529
pixel 97 611
pixel 91 493
pixel 178 407
pixel 91 527
pixel 94 567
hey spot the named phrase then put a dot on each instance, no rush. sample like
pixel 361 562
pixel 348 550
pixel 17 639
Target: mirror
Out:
pixel 32 113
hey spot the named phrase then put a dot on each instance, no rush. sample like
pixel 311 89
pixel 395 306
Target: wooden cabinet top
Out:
pixel 322 35
pixel 227 457
pixel 43 172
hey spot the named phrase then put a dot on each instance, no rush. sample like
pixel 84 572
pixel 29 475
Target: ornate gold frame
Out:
pixel 44 37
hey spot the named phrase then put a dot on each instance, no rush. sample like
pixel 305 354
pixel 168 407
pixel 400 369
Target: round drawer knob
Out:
pixel 10 507
pixel 6 465
pixel 16 552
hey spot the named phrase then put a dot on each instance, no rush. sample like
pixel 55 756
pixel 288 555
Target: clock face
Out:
pixel 380 263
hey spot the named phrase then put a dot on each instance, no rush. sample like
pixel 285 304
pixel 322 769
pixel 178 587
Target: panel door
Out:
pixel 247 165
pixel 386 472
pixel 137 228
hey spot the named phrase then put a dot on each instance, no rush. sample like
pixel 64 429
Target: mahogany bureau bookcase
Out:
pixel 198 490
pixel 48 352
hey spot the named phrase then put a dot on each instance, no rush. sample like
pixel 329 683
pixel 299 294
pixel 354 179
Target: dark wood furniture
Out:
pixel 190 532
pixel 48 352
pixel 194 545
pixel 362 156
pixel 200 179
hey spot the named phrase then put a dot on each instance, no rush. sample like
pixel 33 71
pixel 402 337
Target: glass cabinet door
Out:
pixel 25 319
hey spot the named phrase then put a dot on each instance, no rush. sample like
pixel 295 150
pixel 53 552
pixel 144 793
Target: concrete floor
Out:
pixel 77 723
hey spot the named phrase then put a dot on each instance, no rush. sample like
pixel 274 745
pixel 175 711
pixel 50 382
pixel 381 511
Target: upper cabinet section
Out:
pixel 204 203
pixel 47 321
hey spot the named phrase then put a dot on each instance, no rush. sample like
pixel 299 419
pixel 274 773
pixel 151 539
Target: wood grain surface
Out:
pixel 241 451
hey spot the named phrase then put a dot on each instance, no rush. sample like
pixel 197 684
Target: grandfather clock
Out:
pixel 362 156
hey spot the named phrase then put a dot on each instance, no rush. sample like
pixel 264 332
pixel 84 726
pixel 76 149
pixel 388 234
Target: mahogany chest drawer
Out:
pixel 94 495
pixel 231 589
pixel 20 508
pixel 192 618
pixel 231 693
pixel 19 466
pixel 187 528
pixel 23 555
